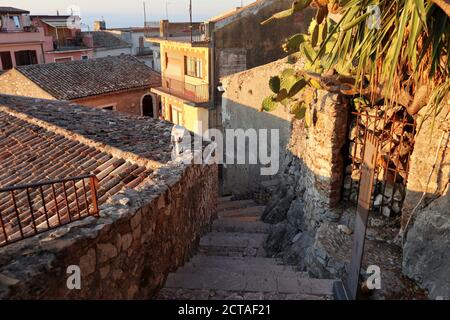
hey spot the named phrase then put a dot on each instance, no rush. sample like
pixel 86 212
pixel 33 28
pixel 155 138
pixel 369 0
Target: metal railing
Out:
pixel 27 210
pixel 191 92
pixel 19 30
pixel 396 131
pixel 199 37
pixel 69 44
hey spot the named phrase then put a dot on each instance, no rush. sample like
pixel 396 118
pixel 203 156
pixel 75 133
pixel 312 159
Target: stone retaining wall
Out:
pixel 426 254
pixel 141 236
pixel 314 164
pixel 312 180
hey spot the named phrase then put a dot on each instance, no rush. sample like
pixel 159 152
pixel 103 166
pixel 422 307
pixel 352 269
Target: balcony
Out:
pixel 27 34
pixel 18 30
pixel 183 90
pixel 69 44
pixel 199 38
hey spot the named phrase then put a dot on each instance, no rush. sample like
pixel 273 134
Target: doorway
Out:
pixel 148 106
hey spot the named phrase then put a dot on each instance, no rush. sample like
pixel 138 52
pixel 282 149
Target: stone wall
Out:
pixel 311 183
pixel 315 162
pixel 426 254
pixel 128 251
pixel 13 82
pixel 313 227
pixel 241 109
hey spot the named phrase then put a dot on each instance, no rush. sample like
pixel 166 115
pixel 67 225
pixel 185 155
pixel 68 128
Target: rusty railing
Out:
pixel 395 129
pixel 27 210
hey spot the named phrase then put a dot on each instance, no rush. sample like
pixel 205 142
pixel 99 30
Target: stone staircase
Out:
pixel 231 264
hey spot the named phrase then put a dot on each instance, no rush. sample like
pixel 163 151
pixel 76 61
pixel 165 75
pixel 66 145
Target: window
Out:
pixel 84 57
pixel 193 67
pixel 6 60
pixel 177 116
pixel 66 59
pixel 26 57
pixel 16 21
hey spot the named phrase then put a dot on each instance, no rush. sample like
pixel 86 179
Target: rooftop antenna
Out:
pixel 145 15
pixel 190 17
pixel 167 10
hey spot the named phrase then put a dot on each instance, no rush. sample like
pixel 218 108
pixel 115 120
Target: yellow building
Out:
pixel 185 82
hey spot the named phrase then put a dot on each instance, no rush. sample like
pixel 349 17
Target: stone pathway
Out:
pixel 231 264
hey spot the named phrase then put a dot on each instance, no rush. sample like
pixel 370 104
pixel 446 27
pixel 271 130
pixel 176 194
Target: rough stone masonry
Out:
pixel 128 252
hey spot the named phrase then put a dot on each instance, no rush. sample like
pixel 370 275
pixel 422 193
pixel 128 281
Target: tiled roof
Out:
pixel 79 79
pixel 12 10
pixel 107 40
pixel 46 140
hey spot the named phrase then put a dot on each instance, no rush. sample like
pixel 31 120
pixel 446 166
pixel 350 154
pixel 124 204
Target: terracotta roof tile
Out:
pixel 11 10
pixel 107 40
pixel 47 140
pixel 79 79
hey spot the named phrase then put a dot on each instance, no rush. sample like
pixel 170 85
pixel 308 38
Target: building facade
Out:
pixel 140 48
pixel 63 39
pixel 20 42
pixel 185 83
pixel 232 42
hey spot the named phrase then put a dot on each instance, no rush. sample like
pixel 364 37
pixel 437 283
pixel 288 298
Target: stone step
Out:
pixel 210 265
pixel 241 224
pixel 233 244
pixel 225 199
pixel 233 239
pixel 268 272
pixel 255 211
pixel 250 283
pixel 231 205
pixel 214 261
pixel 198 294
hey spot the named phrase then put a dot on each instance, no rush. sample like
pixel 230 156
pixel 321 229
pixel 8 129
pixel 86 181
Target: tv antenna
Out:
pixel 167 9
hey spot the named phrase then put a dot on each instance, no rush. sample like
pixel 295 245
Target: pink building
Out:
pixel 64 40
pixel 20 42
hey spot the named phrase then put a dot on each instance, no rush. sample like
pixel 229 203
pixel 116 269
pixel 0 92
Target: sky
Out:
pixel 127 13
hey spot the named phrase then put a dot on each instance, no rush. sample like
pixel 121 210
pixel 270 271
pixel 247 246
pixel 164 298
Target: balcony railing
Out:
pixel 69 44
pixel 28 210
pixel 19 30
pixel 191 92
pixel 199 37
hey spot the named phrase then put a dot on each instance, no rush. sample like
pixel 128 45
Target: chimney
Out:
pixel 99 25
pixel 164 28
